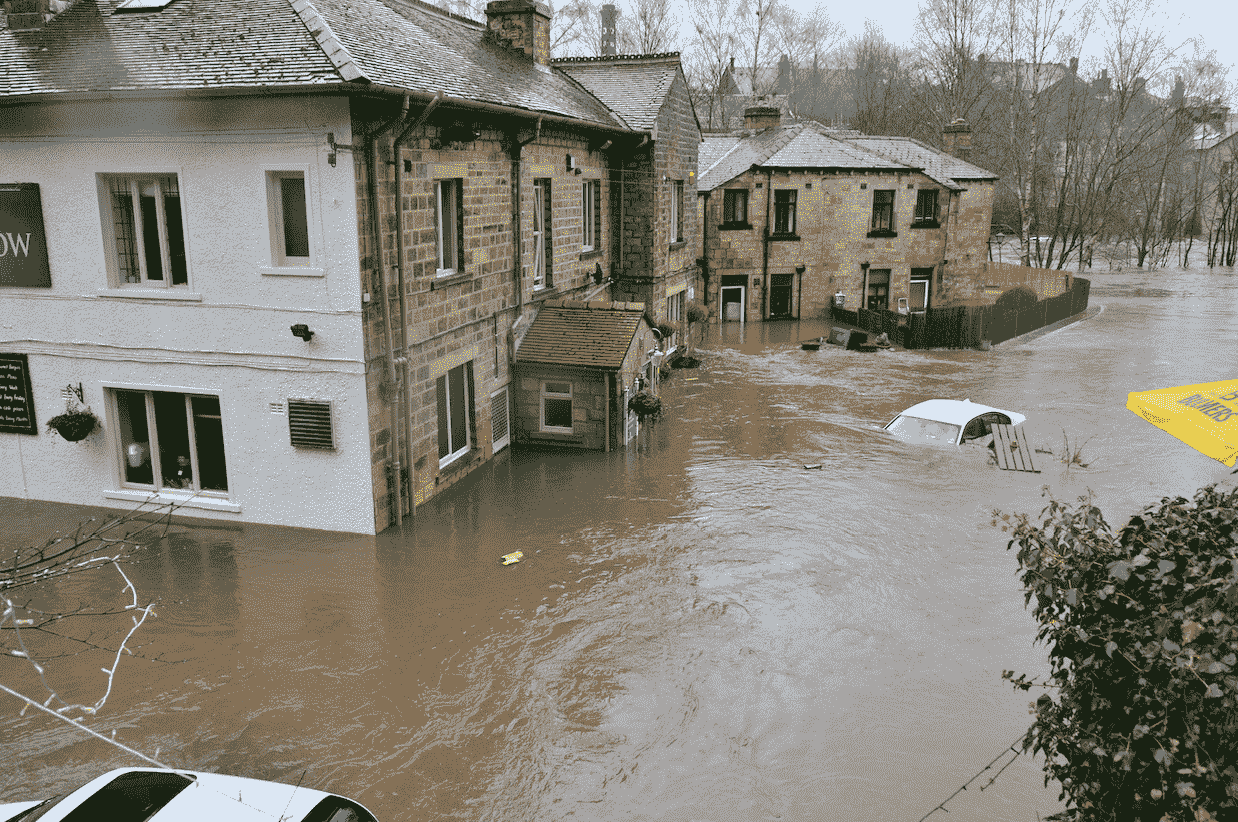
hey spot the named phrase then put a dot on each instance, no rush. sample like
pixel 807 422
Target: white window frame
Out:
pixel 676 211
pixel 547 394
pixel 468 411
pixel 734 200
pixel 541 225
pixel 136 181
pixel 588 215
pixel 449 222
pixel 152 439
pixel 275 215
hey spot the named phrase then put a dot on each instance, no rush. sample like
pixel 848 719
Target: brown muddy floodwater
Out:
pixel 700 630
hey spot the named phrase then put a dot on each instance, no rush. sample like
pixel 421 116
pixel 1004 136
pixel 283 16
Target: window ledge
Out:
pixel 464 460
pixel 152 294
pixel 926 224
pixel 785 238
pixel 882 232
pixel 180 498
pixel 588 253
pixel 735 227
pixel 445 280
pixel 291 271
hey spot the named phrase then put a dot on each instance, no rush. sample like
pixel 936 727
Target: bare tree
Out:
pixel 575 29
pixel 34 633
pixel 876 84
pixel 1030 32
pixel 953 38
pixel 754 21
pixel 706 61
pixel 1223 209
pixel 807 39
pixel 653 26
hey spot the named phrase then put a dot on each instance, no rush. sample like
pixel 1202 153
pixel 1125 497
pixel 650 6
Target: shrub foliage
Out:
pixel 1141 719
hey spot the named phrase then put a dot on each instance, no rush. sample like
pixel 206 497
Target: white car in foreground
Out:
pixel 141 794
pixel 950 422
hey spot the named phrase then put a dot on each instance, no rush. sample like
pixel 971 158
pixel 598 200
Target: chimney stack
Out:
pixel 956 138
pixel 609 38
pixel 521 25
pixel 1074 66
pixel 759 118
pixel 28 15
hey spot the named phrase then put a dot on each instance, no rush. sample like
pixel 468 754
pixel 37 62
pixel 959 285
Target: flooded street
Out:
pixel 700 629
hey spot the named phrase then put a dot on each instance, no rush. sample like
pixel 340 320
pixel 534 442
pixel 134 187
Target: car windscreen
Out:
pixel 130 797
pixel 917 429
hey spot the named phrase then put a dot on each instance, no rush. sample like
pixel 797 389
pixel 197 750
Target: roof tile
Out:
pixel 592 334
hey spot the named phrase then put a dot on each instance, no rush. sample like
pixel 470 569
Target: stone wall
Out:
pixel 588 405
pixel 465 317
pixel 984 286
pixel 831 244
pixel 656 266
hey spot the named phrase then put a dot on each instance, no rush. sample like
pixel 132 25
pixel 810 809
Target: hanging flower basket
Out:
pixel 645 404
pixel 75 424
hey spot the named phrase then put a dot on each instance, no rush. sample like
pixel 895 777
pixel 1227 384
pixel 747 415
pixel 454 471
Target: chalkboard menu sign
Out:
pixel 16 403
pixel 23 243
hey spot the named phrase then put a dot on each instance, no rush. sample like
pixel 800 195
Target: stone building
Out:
pixel 578 367
pixel 797 218
pixel 656 257
pixel 286 251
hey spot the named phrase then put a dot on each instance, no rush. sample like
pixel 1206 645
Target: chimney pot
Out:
pixel 523 26
pixel 956 138
pixel 759 118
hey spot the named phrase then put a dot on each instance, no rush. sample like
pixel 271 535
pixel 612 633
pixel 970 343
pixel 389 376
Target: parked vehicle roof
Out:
pixel 956 412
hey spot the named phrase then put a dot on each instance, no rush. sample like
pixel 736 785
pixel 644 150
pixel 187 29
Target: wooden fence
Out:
pixel 966 326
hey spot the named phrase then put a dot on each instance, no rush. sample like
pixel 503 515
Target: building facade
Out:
pixel 289 253
pixel 800 218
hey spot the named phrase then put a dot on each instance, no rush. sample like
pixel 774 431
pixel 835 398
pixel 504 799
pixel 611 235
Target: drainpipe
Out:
pixel 402 360
pixel 703 262
pixel 517 238
pixel 380 265
pixel 606 375
pixel 799 300
pixel 769 197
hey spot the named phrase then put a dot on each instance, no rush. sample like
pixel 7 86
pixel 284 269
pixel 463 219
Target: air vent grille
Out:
pixel 309 424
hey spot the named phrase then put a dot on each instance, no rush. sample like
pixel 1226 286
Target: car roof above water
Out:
pixel 955 412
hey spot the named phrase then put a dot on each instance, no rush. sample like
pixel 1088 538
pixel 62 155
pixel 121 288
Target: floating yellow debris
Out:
pixel 690 379
pixel 513 557
pixel 1204 416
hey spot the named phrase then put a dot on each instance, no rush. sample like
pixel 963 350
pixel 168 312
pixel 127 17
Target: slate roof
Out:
pixel 190 44
pixel 592 334
pixel 942 167
pixel 803 145
pixel 810 145
pixel 239 44
pixel 634 85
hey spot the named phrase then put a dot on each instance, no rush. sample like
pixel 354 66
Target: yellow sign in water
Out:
pixel 513 557
pixel 1204 416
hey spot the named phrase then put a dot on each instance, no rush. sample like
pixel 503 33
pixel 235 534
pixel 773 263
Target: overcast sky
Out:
pixel 1214 20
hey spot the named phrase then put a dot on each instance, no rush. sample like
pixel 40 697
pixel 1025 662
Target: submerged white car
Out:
pixel 950 422
pixel 141 794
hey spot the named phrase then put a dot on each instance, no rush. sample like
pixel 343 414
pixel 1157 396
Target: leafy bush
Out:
pixel 645 404
pixel 695 312
pixel 1142 639
pixel 1017 299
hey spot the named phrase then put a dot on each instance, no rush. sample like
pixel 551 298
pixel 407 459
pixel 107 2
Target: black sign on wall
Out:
pixel 16 403
pixel 23 243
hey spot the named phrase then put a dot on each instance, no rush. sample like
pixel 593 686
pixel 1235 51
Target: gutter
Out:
pixel 371 146
pixel 402 360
